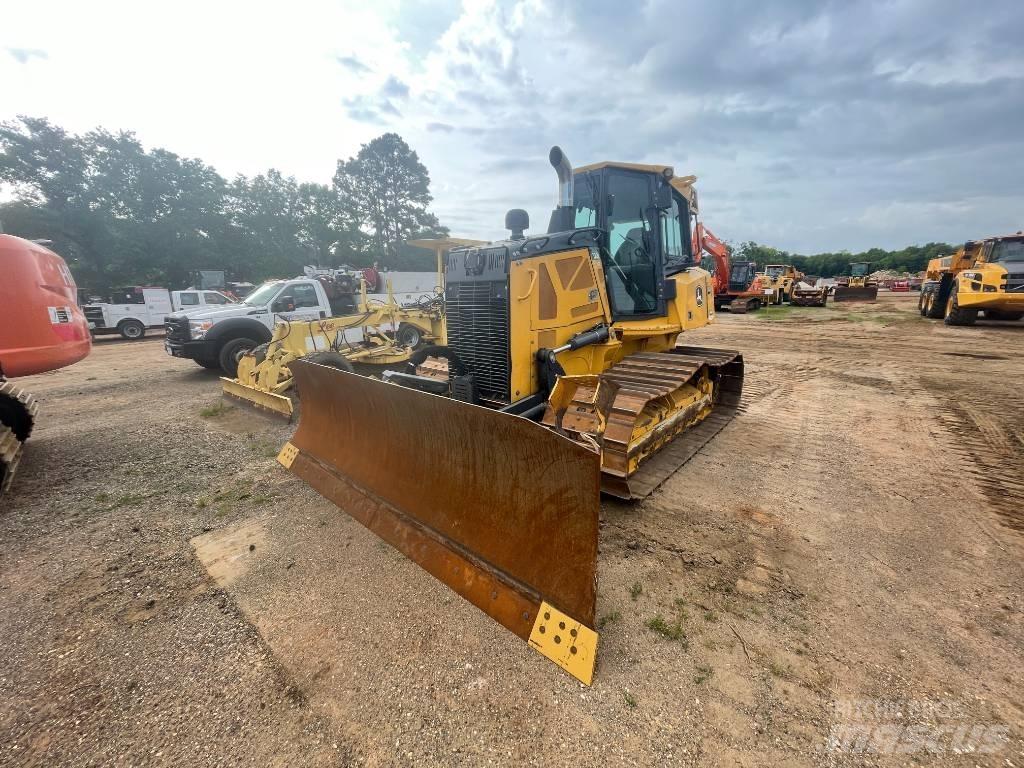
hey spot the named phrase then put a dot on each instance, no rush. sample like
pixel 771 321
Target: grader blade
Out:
pixel 502 510
pixel 280 405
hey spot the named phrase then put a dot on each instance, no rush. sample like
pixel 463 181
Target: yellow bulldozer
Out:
pixel 375 335
pixel 563 376
pixel 858 285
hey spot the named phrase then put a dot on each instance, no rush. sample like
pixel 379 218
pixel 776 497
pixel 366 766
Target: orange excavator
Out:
pixel 41 329
pixel 737 286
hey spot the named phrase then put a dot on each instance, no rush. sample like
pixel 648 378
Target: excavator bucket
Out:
pixel 855 293
pixel 502 510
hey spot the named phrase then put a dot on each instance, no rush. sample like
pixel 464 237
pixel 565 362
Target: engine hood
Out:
pixel 237 310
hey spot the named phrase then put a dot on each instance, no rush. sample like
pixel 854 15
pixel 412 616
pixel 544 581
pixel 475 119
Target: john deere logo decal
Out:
pixel 700 296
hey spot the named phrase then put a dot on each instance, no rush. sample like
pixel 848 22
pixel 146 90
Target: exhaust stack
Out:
pixel 563 217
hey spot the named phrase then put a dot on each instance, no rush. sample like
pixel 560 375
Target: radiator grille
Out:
pixel 1015 282
pixel 477 317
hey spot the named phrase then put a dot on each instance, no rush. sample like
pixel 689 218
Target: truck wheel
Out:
pixel 131 329
pixel 210 365
pixel 957 316
pixel 921 303
pixel 409 335
pixel 231 353
pixel 331 360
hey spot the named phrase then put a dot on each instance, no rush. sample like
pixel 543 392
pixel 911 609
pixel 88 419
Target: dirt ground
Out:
pixel 847 553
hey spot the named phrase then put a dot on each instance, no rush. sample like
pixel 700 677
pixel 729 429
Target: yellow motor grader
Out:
pixel 389 333
pixel 563 377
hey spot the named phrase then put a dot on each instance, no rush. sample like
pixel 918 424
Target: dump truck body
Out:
pixel 984 276
pixel 561 376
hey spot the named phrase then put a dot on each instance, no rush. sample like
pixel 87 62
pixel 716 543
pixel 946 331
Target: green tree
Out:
pixel 387 190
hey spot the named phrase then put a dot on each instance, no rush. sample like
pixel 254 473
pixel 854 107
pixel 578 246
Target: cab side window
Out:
pixel 213 297
pixel 305 295
pixel 189 299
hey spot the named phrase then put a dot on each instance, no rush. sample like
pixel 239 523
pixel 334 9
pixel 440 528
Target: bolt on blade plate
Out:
pixel 499 508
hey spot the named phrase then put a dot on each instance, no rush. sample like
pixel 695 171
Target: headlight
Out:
pixel 972 275
pixel 198 328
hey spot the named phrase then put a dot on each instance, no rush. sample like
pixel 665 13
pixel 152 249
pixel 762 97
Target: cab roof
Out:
pixel 681 184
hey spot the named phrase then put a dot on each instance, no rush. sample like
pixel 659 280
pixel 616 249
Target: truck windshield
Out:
pixel 262 295
pixel 1008 250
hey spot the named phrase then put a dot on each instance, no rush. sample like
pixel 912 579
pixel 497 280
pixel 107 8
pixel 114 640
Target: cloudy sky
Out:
pixel 811 125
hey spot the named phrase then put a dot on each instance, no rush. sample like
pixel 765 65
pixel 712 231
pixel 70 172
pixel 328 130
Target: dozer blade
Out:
pixel 502 510
pixel 243 393
pixel 855 293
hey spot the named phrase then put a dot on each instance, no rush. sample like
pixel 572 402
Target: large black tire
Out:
pixel 409 335
pixel 132 330
pixel 955 315
pixel 933 298
pixel 232 352
pixel 210 365
pixel 331 360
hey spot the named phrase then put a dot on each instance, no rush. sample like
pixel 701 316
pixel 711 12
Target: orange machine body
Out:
pixel 41 325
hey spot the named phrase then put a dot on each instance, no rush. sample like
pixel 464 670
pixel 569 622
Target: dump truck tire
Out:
pixel 957 316
pixel 331 360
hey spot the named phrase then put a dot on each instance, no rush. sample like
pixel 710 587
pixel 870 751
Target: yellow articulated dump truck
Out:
pixel 780 279
pixel 563 377
pixel 377 334
pixel 984 276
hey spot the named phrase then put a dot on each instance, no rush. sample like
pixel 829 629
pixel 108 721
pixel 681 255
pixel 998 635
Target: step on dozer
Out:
pixel 561 377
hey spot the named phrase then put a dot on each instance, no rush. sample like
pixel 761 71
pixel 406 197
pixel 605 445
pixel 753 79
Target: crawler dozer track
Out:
pixel 649 413
pixel 17 416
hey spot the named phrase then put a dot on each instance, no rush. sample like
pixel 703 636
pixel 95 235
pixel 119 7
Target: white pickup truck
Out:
pixel 130 311
pixel 218 338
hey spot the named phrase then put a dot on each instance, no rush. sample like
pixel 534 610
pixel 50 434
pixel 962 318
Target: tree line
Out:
pixel 913 258
pixel 121 214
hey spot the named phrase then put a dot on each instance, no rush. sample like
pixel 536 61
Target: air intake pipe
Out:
pixel 563 217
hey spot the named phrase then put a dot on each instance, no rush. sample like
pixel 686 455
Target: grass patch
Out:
pixel 636 590
pixel 704 673
pixel 217 409
pixel 609 618
pixel 710 617
pixel 102 497
pixel 673 631
pixel 630 700
pixel 779 670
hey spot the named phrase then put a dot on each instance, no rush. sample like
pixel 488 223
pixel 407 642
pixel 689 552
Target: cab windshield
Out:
pixel 262 295
pixel 773 271
pixel 1008 250
pixel 859 270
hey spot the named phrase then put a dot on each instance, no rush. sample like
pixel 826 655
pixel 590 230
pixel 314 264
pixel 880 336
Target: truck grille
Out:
pixel 177 329
pixel 1015 281
pixel 477 317
pixel 94 315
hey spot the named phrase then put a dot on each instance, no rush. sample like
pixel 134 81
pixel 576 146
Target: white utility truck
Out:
pixel 130 311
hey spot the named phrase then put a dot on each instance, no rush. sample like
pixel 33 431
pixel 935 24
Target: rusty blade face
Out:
pixel 502 510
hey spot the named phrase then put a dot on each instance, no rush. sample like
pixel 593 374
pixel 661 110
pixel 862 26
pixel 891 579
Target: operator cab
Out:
pixel 641 217
pixel 741 275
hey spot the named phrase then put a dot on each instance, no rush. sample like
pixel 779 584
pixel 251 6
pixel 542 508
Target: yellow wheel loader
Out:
pixel 389 333
pixel 781 279
pixel 562 377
